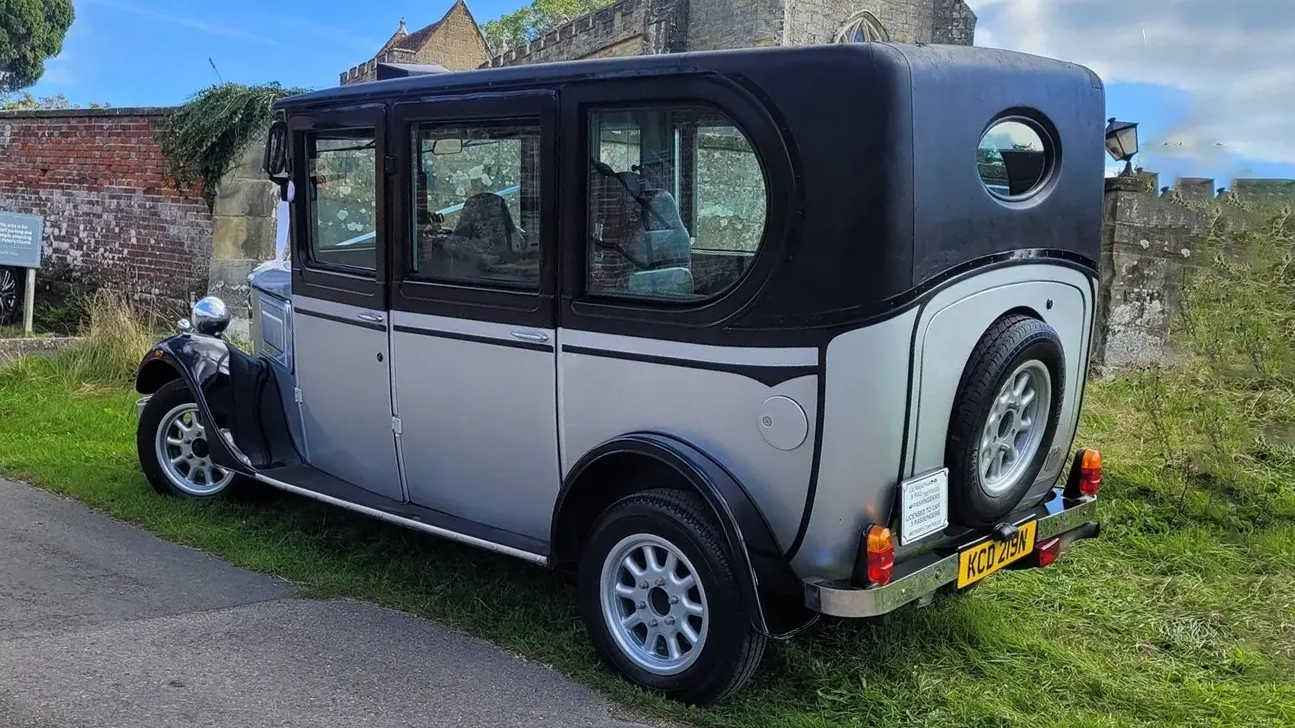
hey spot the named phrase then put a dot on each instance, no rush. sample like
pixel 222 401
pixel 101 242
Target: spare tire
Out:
pixel 1004 418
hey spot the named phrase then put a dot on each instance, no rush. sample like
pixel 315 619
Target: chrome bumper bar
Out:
pixel 140 404
pixel 840 599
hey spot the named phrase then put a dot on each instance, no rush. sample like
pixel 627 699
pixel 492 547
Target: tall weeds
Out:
pixel 114 339
pixel 1222 425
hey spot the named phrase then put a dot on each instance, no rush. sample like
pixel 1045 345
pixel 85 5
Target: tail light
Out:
pixel 880 556
pixel 1085 475
pixel 1047 551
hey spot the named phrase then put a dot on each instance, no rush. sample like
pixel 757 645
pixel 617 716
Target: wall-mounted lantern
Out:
pixel 1122 143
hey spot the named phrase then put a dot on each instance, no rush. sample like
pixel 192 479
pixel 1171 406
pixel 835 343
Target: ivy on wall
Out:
pixel 204 138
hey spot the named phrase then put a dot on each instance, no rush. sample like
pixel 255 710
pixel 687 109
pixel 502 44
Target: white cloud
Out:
pixel 1236 58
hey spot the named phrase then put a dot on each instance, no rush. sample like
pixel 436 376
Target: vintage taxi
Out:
pixel 739 338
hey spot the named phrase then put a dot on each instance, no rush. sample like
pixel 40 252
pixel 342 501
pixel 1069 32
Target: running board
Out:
pixel 399 520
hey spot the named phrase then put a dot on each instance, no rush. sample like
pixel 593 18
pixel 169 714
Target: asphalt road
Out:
pixel 104 626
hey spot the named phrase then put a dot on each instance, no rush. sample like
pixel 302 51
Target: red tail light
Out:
pixel 1048 551
pixel 880 556
pixel 1085 475
pixel 1090 473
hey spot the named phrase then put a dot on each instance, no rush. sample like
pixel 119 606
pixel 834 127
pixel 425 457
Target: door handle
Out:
pixel 530 335
pixel 376 318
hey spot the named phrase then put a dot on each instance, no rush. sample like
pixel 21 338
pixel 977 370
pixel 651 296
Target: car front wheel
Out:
pixel 173 442
pixel 660 600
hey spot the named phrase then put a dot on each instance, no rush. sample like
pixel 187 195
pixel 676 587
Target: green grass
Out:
pixel 1181 614
pixel 1156 623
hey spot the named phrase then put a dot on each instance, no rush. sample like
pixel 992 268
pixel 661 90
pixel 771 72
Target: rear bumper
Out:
pixel 1069 520
pixel 141 403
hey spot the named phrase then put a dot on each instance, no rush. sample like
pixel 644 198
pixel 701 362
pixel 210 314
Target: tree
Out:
pixel 31 31
pixel 26 102
pixel 531 21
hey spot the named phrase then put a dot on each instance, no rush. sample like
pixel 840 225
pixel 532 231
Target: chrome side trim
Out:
pixel 409 523
pixel 141 403
pixel 842 600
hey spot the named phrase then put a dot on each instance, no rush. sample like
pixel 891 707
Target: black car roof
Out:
pixel 820 62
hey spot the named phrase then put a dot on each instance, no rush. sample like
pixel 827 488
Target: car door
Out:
pixel 473 329
pixel 341 325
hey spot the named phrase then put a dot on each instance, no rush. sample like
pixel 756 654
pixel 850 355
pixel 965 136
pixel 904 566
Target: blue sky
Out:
pixel 1207 106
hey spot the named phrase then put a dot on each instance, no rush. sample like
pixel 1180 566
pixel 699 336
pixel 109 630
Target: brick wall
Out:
pixel 98 178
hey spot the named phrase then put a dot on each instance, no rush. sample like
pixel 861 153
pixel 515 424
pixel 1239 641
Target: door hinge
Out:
pixel 296 394
pixel 395 426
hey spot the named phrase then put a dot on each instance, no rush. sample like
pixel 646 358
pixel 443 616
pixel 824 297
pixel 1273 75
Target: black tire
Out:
pixel 732 647
pixel 1012 341
pixel 171 395
pixel 10 290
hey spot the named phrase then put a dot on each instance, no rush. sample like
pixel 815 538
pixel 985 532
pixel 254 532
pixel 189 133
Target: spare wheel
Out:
pixel 1004 418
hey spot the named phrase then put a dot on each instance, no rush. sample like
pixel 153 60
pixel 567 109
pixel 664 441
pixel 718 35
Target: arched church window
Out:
pixel 863 27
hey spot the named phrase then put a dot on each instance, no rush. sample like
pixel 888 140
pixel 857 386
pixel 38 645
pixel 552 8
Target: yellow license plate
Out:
pixel 984 559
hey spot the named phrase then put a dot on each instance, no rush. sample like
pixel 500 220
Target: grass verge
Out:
pixel 1183 613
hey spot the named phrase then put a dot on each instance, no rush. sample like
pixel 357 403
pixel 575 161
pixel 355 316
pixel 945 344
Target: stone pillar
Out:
pixel 1146 243
pixel 243 225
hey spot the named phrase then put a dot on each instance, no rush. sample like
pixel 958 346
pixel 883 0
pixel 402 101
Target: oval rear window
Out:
pixel 1014 159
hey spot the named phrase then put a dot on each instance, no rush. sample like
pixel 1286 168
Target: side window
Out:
pixel 342 198
pixel 677 203
pixel 477 204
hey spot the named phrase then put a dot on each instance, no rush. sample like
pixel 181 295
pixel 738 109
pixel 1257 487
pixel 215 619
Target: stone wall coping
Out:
pixel 28 345
pixel 82 113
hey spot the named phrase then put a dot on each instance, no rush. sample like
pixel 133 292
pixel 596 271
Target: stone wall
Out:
pixel 719 24
pixel 620 29
pixel 98 178
pixel 243 228
pixel 1146 242
pixel 1151 238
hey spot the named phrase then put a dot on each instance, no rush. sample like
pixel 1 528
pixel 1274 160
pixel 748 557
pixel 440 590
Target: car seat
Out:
pixel 646 246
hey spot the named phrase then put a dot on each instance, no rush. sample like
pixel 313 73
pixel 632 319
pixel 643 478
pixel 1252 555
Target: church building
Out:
pixel 639 27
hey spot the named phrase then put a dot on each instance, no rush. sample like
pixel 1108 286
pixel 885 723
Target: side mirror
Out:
pixel 447 146
pixel 210 316
pixel 275 161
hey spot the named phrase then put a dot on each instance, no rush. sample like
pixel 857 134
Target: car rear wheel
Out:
pixel 173 441
pixel 1004 418
pixel 660 600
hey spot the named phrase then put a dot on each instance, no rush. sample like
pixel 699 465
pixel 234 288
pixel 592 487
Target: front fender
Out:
pixel 199 360
pixel 764 572
pixel 202 362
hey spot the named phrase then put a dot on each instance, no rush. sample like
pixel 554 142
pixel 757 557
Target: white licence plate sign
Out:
pixel 924 506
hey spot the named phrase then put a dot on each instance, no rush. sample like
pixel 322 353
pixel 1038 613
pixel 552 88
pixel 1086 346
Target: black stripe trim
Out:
pixel 341 319
pixel 768 375
pixel 812 488
pixel 529 345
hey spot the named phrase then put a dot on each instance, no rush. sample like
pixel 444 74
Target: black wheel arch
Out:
pixel 602 476
pixel 203 363
pixel 250 400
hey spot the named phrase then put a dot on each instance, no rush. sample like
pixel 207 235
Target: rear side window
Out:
pixel 477 197
pixel 342 198
pixel 677 203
